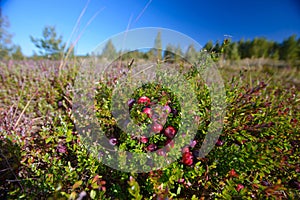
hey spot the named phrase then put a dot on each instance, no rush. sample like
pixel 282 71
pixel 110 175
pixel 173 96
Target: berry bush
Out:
pixel 42 155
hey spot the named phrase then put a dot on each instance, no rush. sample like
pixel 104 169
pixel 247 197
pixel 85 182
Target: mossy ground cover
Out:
pixel 42 155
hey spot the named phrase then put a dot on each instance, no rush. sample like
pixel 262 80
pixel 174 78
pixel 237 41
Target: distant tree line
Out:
pixel 288 50
pixel 51 46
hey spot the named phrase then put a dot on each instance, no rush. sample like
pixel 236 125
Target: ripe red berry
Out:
pixel 148 111
pixel 187 158
pixel 144 99
pixel 161 152
pixel 170 132
pixel 156 127
pixel 219 142
pixel 144 139
pixel 294 121
pixel 233 173
pixel 239 187
pixel 185 149
pixel 151 147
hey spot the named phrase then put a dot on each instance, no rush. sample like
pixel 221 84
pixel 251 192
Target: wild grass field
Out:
pixel 42 155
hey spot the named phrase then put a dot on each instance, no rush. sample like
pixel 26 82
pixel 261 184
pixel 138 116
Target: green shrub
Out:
pixel 257 155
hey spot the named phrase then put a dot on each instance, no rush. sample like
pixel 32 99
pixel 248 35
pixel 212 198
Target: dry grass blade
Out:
pixel 76 27
pixel 142 12
pixel 18 101
pixel 23 111
pixel 129 24
pixel 78 22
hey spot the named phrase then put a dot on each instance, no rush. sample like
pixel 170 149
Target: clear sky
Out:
pixel 202 20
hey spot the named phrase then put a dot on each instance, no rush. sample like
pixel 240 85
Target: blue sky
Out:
pixel 201 20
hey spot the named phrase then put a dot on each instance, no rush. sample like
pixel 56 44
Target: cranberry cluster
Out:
pixel 158 121
pixel 156 126
pixel 187 156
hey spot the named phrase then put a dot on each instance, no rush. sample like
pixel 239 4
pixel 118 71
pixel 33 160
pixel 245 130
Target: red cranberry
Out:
pixel 233 173
pixel 270 137
pixel 151 147
pixel 144 99
pixel 187 158
pixel 148 111
pixel 239 187
pixel 161 152
pixel 156 127
pixel 294 121
pixel 170 132
pixel 185 149
pixel 144 139
pixel 219 143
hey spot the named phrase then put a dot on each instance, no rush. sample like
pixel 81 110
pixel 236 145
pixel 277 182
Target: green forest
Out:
pixel 52 46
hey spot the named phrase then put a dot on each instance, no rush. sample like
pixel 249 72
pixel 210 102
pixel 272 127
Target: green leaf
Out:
pixel 69 137
pixel 49 139
pixel 77 184
pixel 73 195
pixel 93 194
pixel 178 190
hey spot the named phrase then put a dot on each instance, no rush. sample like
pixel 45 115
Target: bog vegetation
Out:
pixel 257 155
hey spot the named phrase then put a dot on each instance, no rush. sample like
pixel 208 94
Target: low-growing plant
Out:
pixel 43 155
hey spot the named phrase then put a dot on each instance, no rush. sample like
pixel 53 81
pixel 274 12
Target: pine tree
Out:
pixel 289 50
pixel 191 54
pixel 208 46
pixel 244 48
pixel 231 51
pixel 169 55
pixel 50 45
pixel 17 53
pixel 109 51
pixel 178 54
pixel 158 46
pixel 5 38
